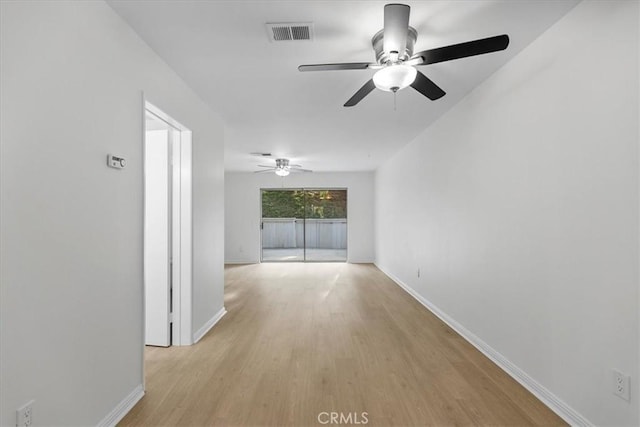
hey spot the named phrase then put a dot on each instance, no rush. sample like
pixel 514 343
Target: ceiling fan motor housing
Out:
pixel 383 57
pixel 282 163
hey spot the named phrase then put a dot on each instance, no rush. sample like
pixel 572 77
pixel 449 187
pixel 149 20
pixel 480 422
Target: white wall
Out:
pixel 242 210
pixel 520 207
pixel 72 78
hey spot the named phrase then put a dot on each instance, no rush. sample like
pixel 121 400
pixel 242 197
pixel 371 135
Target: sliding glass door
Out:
pixel 304 225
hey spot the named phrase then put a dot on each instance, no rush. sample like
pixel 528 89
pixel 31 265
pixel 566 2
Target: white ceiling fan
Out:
pixel 283 168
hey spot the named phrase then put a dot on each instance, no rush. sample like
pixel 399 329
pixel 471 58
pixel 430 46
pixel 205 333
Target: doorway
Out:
pixel 167 230
pixel 304 225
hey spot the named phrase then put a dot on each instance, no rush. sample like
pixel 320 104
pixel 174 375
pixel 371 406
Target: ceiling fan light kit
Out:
pixel 282 170
pixel 396 62
pixel 394 77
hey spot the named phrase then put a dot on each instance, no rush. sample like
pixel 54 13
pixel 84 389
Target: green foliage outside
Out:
pixel 291 203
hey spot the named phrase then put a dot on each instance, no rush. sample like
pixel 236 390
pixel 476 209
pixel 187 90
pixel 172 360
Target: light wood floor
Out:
pixel 302 339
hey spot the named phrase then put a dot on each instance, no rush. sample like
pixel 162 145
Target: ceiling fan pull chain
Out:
pixel 394 100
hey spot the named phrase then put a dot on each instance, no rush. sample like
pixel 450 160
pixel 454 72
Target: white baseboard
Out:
pixel 242 261
pixel 554 403
pixel 123 408
pixel 210 324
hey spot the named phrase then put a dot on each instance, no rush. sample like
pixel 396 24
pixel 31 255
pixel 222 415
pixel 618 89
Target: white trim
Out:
pixel 123 408
pixel 242 262
pixel 210 324
pixel 163 116
pixel 175 197
pixel 185 303
pixel 143 131
pixel 638 237
pixel 554 403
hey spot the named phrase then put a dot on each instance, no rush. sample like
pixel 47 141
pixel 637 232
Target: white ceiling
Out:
pixel 222 50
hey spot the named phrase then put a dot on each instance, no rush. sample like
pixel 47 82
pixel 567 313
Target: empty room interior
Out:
pixel 303 213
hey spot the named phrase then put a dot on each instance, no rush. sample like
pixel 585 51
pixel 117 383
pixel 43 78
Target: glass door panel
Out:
pixel 326 225
pixel 282 225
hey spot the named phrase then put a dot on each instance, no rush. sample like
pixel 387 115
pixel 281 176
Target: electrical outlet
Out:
pixel 24 415
pixel 621 383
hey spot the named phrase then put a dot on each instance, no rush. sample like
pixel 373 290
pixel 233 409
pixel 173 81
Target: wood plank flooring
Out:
pixel 301 340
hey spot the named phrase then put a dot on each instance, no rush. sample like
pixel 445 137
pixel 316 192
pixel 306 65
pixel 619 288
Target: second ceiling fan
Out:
pixel 396 62
pixel 282 168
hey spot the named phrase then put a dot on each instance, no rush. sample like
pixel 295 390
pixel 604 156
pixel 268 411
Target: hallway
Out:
pixel 300 340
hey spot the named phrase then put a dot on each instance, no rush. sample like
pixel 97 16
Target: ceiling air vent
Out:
pixel 290 31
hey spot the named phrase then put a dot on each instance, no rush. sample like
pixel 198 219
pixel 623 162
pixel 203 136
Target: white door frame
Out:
pixel 181 239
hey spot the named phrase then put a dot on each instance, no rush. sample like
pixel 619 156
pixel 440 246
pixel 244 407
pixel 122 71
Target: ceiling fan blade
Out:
pixel 300 170
pixel 265 166
pixel 265 171
pixel 396 27
pixel 361 93
pixel 343 66
pixel 463 50
pixel 425 86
